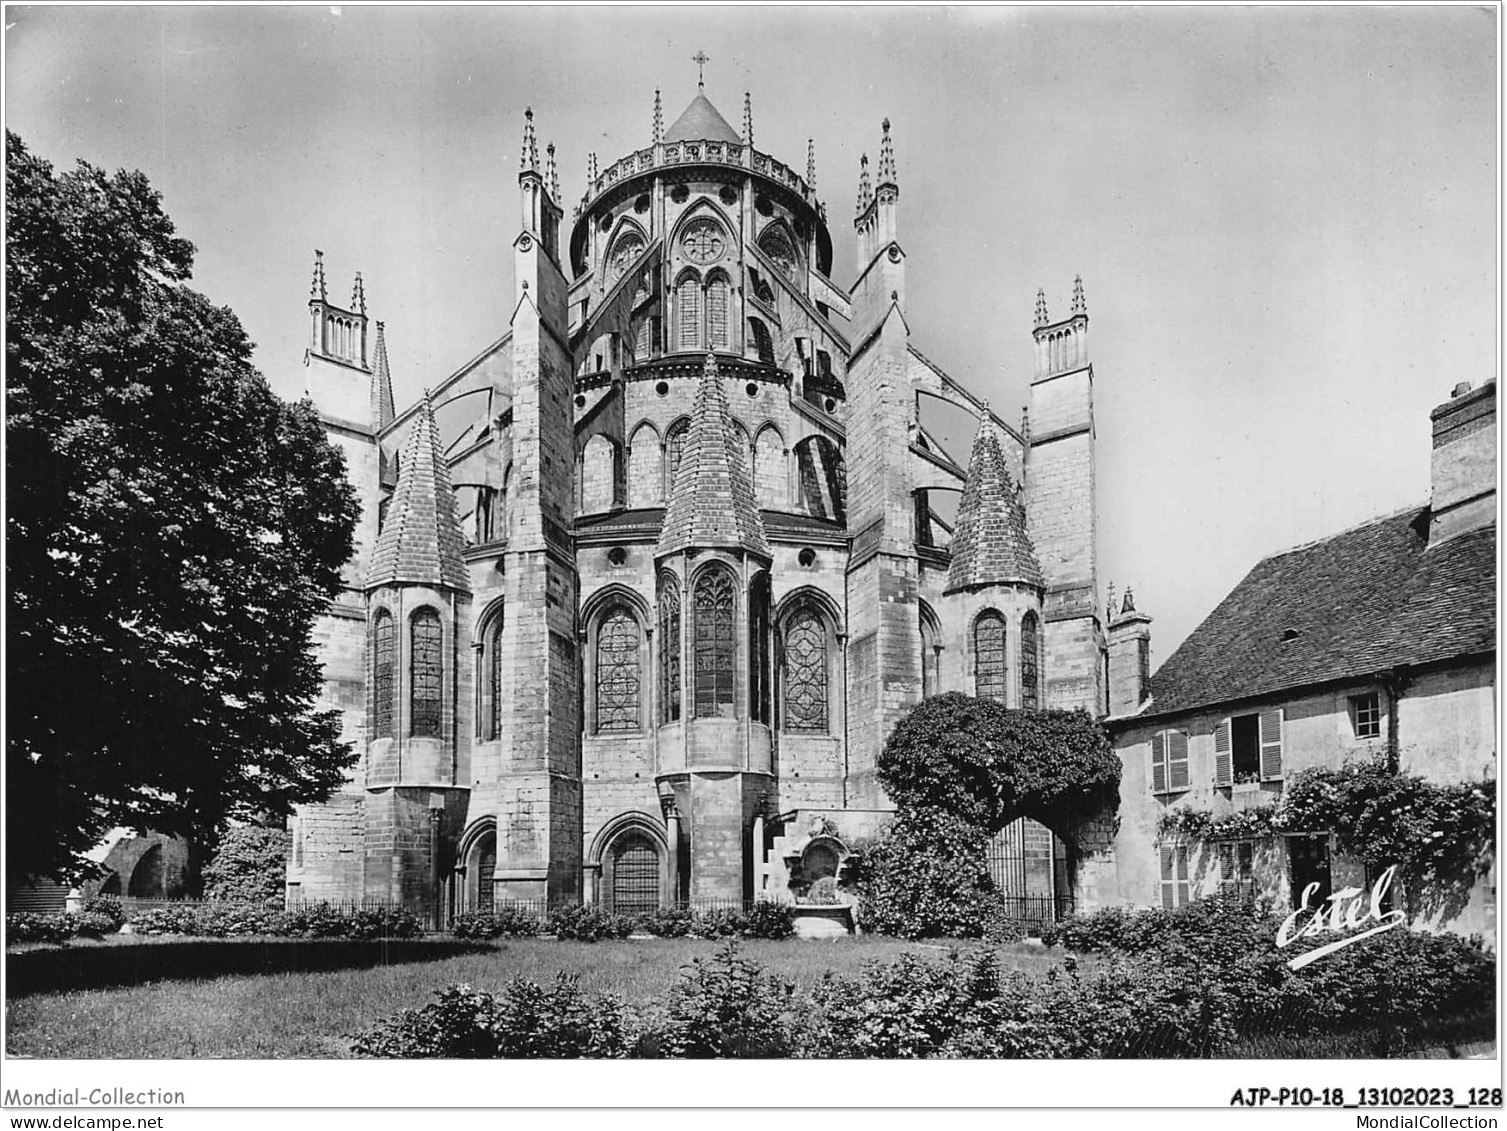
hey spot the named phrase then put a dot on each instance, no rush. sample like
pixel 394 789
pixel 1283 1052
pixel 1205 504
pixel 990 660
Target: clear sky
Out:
pixel 1285 218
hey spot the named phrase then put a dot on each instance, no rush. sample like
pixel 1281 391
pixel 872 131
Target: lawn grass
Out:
pixel 309 1015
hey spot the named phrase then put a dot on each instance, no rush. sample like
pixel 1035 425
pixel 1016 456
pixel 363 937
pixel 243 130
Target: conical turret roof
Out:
pixel 990 542
pixel 712 500
pixel 421 541
pixel 700 121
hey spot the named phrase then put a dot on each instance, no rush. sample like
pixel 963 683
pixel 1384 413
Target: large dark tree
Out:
pixel 174 529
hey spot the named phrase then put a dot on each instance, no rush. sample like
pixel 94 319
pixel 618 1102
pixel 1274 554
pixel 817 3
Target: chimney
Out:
pixel 1129 658
pixel 1464 466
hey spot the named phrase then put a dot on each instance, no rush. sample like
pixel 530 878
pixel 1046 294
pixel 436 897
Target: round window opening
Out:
pixel 680 194
pixel 617 555
pixel 807 557
pixel 728 194
pixel 606 222
pixel 831 404
pixel 663 388
pixel 580 400
pixel 641 205
pixel 751 389
pixel 761 203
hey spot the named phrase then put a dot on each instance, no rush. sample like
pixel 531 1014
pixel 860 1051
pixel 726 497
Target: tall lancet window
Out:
pixel 669 649
pixel 1030 662
pixel 494 665
pixel 715 643
pixel 758 650
pixel 382 675
pixel 618 671
pixel 428 670
pixel 716 312
pixel 989 656
pixel 674 449
pixel 688 310
pixel 806 671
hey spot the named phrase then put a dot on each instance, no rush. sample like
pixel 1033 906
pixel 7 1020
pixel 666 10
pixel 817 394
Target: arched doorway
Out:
pixel 483 866
pixel 1030 867
pixel 633 875
pixel 146 877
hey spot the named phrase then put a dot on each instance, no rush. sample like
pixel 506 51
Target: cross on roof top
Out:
pixel 701 59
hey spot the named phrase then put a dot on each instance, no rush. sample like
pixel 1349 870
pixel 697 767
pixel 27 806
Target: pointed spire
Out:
pixel 551 173
pixel 1109 606
pixel 887 159
pixel 990 542
pixel 748 119
pixel 421 541
pixel 1128 605
pixel 358 296
pixel 1041 308
pixel 865 193
pixel 811 163
pixel 381 391
pixel 591 172
pixel 1025 421
pixel 659 119
pixel 530 158
pixel 316 289
pixel 1080 308
pixel 712 500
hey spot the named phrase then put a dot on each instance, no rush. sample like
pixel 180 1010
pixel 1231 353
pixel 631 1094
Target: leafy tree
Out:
pixel 174 530
pixel 986 764
pixel 249 865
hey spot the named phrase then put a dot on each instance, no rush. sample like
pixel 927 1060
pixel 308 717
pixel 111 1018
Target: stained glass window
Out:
pixel 382 675
pixel 669 650
pixel 715 645
pixel 628 249
pixel 805 672
pixel 494 660
pixel 989 656
pixel 428 673
pixel 617 672
pixel 486 869
pixel 758 650
pixel 1030 662
pixel 762 341
pixel 688 310
pixel 774 244
pixel 702 241
pixel 674 446
pixel 716 314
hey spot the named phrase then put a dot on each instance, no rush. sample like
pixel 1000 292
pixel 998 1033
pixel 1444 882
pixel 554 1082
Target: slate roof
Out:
pixel 990 543
pixel 712 501
pixel 1364 601
pixel 421 540
pixel 700 121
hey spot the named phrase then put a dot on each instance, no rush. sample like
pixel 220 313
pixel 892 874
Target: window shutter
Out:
pixel 1183 894
pixel 1169 895
pixel 1227 862
pixel 1224 764
pixel 1177 760
pixel 1271 745
pixel 1159 762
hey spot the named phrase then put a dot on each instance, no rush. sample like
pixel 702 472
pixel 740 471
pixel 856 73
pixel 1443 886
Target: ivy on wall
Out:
pixel 1439 836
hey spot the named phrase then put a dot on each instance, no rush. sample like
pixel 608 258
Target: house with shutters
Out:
pixel 1377 642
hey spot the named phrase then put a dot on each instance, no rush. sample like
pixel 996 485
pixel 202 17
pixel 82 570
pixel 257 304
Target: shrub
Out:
pixel 319 921
pixel 716 923
pixel 725 1007
pixel 924 877
pixel 667 922
pixel 108 906
pixel 249 866
pixel 766 919
pixel 527 1021
pixel 587 924
pixel 27 926
pixel 501 922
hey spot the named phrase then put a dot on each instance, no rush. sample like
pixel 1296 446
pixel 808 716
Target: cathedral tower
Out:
pixel 418 610
pixel 536 794
pixel 884 649
pixel 1061 502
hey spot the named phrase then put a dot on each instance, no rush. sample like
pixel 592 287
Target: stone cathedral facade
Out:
pixel 640 589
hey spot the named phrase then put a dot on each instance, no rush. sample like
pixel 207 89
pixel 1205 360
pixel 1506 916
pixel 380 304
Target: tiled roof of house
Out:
pixel 712 501
pixel 1362 602
pixel 421 540
pixel 990 543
